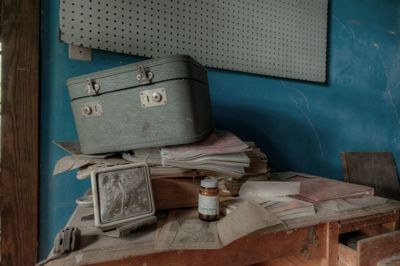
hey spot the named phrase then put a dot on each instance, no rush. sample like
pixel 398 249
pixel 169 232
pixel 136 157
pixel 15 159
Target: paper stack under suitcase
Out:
pixel 221 155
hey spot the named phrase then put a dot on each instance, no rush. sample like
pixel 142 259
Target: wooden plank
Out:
pixel 363 222
pixel 396 224
pixel 290 261
pixel 374 230
pixel 172 193
pixel 393 225
pixel 20 131
pixel 373 249
pixel 306 242
pixel 332 244
pixel 375 169
pixel 247 250
pixel 347 256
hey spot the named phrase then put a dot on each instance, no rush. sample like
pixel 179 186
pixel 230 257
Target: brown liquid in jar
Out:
pixel 209 197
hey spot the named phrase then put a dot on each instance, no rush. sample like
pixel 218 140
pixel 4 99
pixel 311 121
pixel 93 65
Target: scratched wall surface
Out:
pixel 301 126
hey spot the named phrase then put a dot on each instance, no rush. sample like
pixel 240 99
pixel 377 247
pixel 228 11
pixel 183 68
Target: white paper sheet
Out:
pixel 263 190
pixel 245 219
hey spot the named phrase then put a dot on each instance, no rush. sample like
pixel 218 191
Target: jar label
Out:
pixel 208 205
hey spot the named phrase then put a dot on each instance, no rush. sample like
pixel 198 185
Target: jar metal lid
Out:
pixel 209 183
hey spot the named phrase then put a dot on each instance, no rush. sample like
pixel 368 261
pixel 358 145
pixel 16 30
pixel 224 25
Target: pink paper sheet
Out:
pixel 317 189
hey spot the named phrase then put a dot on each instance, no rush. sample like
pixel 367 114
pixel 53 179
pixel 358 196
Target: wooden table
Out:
pixel 311 240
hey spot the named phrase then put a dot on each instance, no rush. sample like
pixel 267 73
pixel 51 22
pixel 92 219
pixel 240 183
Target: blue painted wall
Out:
pixel 301 126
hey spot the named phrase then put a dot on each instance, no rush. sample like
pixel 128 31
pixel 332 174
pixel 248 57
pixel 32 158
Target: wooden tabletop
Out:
pixel 96 248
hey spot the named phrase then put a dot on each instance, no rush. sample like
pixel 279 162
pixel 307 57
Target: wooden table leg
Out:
pixel 395 223
pixel 332 244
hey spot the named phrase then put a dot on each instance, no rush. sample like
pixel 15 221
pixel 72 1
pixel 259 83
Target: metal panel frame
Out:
pixel 282 38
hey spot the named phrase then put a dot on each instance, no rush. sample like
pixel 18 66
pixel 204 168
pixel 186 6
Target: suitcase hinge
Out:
pixel 92 87
pixel 144 77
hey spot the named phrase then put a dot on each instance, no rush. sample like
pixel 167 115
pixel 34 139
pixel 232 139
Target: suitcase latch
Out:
pixel 154 97
pixel 91 109
pixel 144 77
pixel 92 87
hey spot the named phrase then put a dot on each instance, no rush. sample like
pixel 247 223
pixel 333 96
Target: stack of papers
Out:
pixel 221 155
pixel 170 172
pixel 275 196
pixel 85 163
pixel 341 205
pixel 264 190
pixel 88 163
pixel 284 207
pixel 221 152
pixel 151 156
pixel 258 162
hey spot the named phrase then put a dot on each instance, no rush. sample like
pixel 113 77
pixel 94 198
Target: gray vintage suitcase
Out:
pixel 157 102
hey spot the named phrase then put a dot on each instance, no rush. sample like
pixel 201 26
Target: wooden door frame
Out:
pixel 19 179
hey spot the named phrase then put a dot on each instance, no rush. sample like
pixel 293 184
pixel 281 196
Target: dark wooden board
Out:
pixel 375 169
pixel 173 193
pixel 20 131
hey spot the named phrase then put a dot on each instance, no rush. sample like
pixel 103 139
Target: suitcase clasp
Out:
pixel 153 97
pixel 91 109
pixel 144 77
pixel 92 87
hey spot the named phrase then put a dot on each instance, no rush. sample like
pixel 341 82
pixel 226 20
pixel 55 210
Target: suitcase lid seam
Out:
pixel 134 87
pixel 126 69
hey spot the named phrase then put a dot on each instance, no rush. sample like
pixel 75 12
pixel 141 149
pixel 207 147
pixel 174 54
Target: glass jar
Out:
pixel 208 200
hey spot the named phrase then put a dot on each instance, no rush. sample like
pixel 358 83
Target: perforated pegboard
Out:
pixel 285 38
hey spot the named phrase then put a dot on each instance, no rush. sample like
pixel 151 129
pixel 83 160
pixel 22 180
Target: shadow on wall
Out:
pixel 301 142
